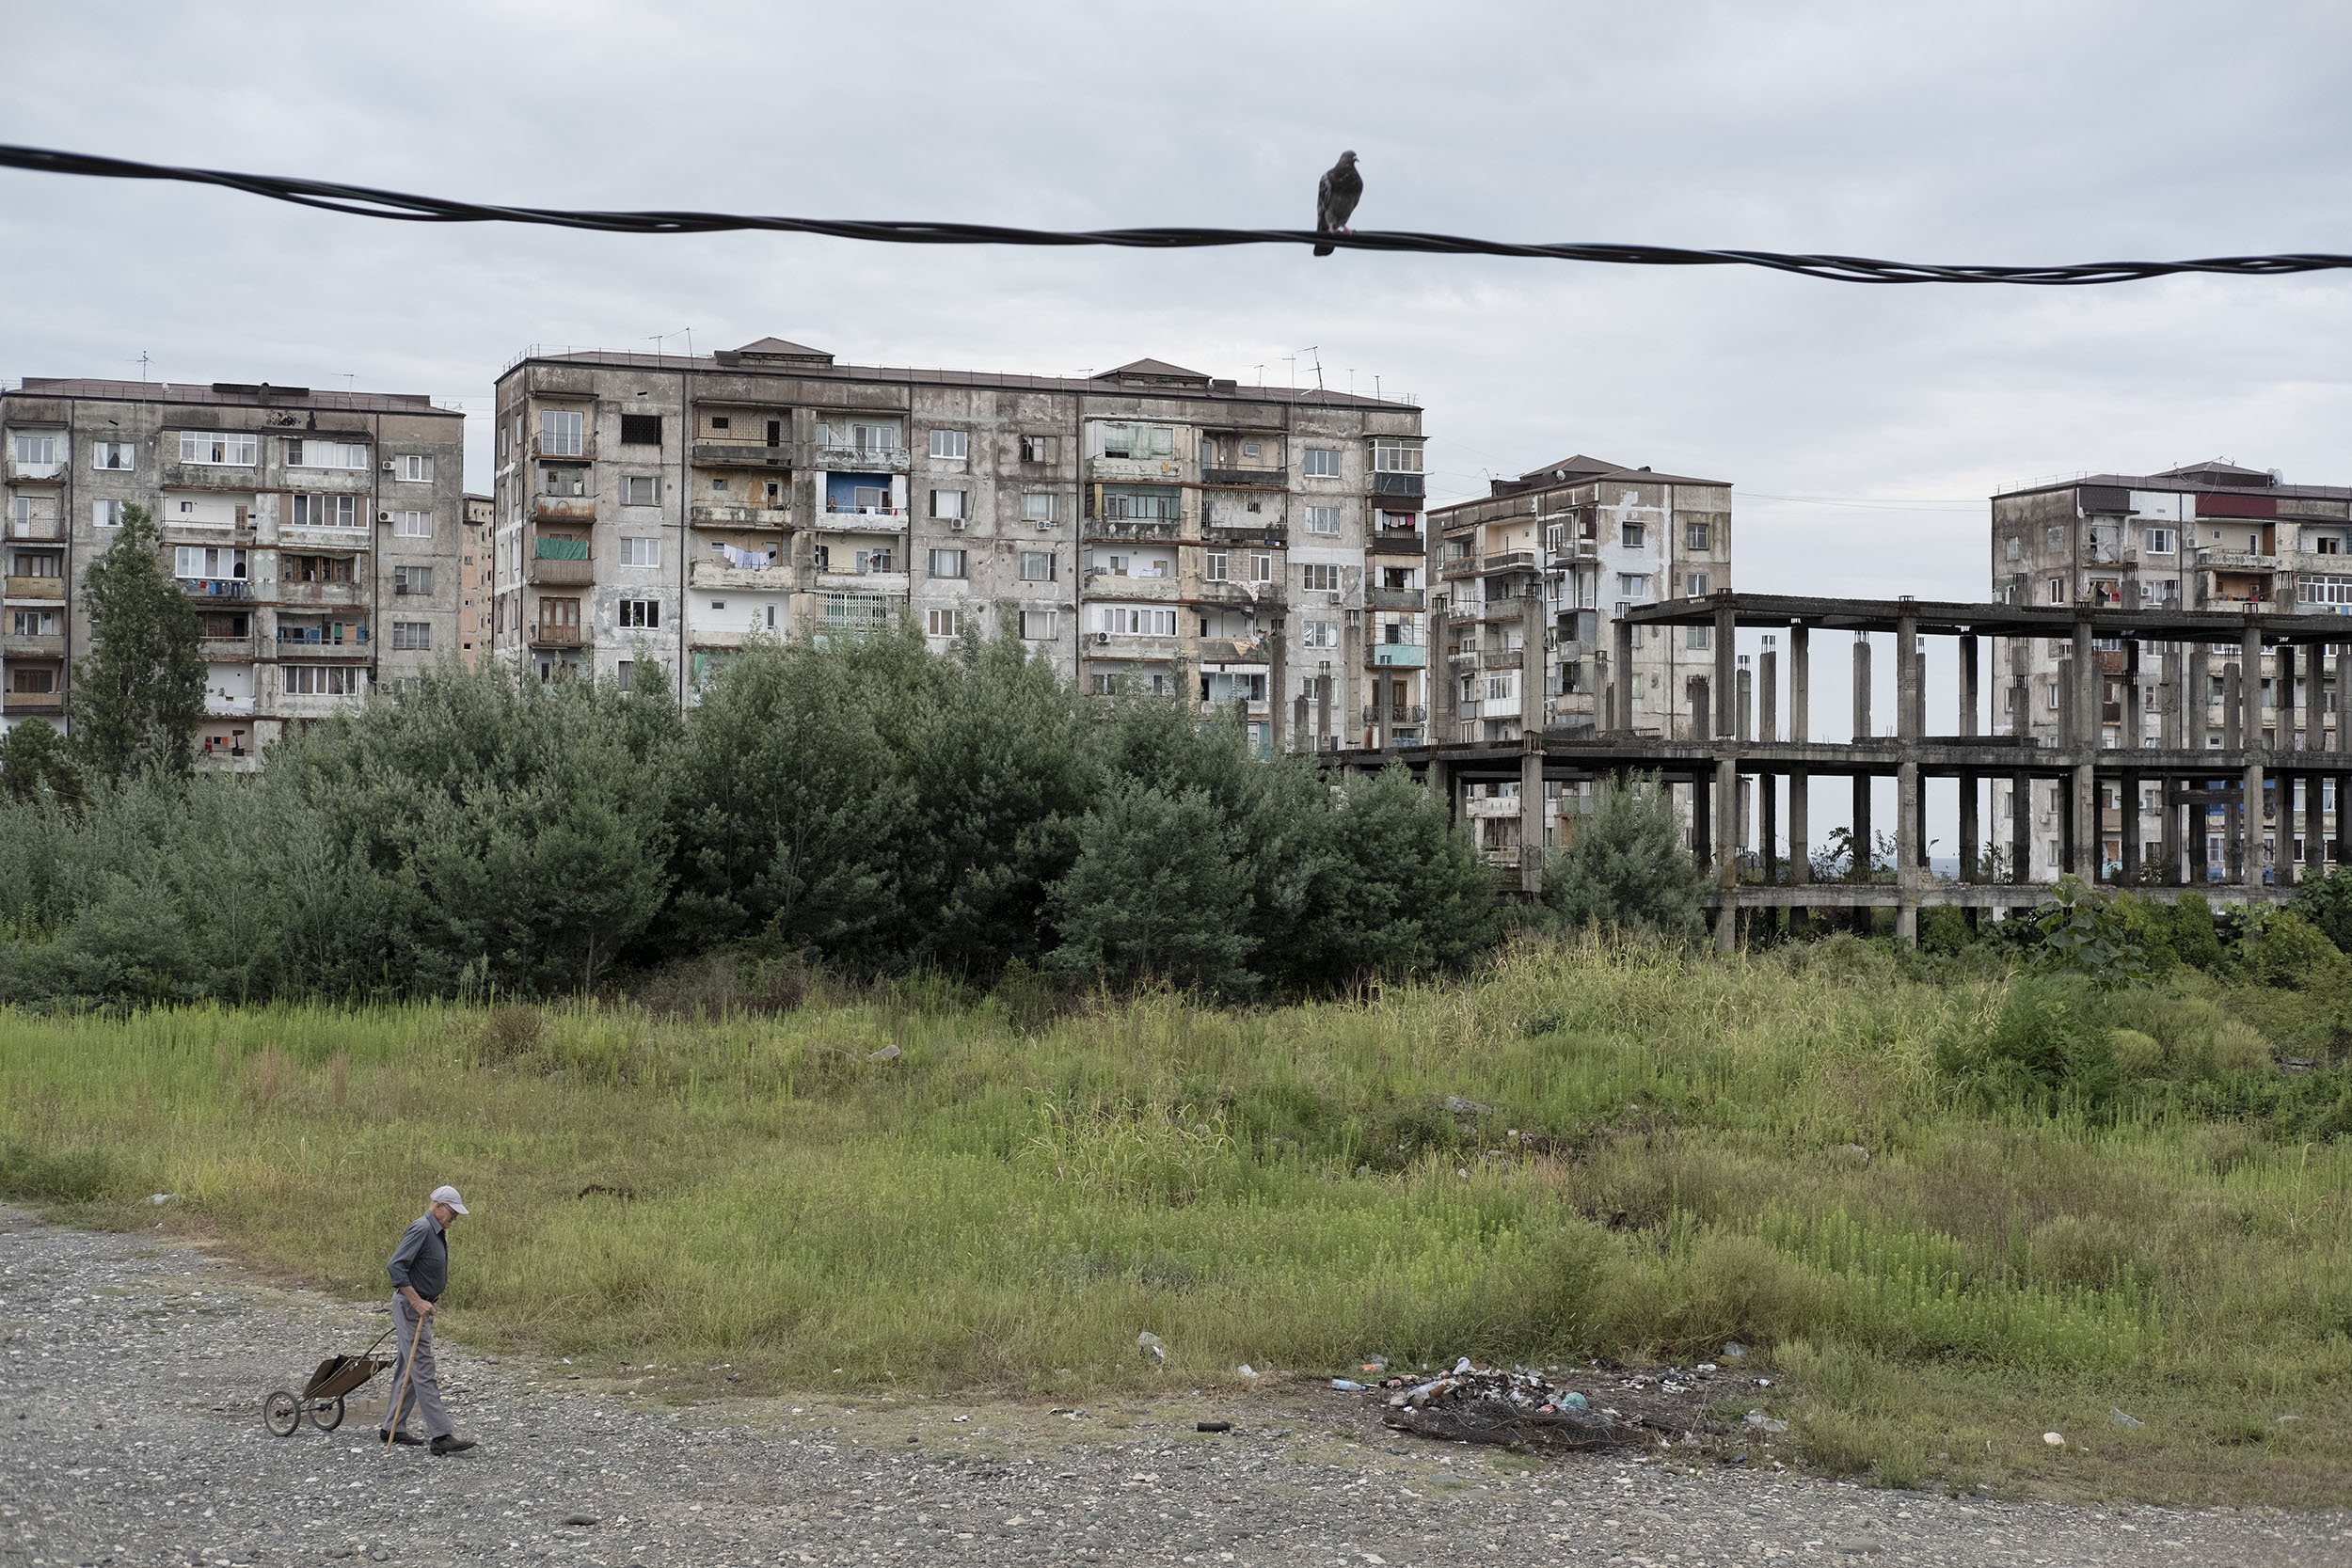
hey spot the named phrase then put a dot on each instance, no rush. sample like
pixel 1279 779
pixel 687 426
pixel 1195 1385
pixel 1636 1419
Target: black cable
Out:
pixel 367 202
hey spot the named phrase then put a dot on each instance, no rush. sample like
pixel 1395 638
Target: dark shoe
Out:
pixel 406 1439
pixel 451 1442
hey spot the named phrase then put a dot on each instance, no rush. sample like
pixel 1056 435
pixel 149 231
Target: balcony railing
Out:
pixel 1247 478
pixel 348 592
pixel 559 574
pixel 1510 561
pixel 1273 535
pixel 862 460
pixel 719 574
pixel 2239 560
pixel 1135 471
pixel 1400 656
pixel 1221 591
pixel 1397 598
pixel 1399 541
pixel 1120 585
pixel 545 636
pixel 862 520
pixel 308 643
pixel 540 449
pixel 34 588
pixel 1398 484
pixel 32 701
pixel 32 644
pixel 563 509
pixel 44 531
pixel 714 514
pixel 1398 713
pixel 742 454
pixel 1133 529
pixel 36 473
pixel 1458 566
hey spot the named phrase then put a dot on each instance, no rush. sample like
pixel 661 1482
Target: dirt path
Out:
pixel 132 1373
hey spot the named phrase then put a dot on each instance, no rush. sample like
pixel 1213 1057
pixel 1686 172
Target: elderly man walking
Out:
pixel 419 1273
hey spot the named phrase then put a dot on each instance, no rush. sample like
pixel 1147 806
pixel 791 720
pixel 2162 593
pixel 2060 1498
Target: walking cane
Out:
pixel 408 1370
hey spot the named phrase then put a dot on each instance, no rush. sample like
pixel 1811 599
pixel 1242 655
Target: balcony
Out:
pixel 555 637
pixel 741 454
pixel 1273 536
pixel 48 590
pixel 1148 590
pixel 1400 656
pixel 563 509
pixel 549 573
pixel 2238 561
pixel 541 452
pixel 1398 484
pixel 1511 560
pixel 714 515
pixel 32 644
pixel 1397 598
pixel 1398 713
pixel 38 530
pixel 892 585
pixel 304 643
pixel 1121 645
pixel 1133 530
pixel 35 473
pixel 1244 479
pixel 718 574
pixel 242 648
pixel 1241 596
pixel 1458 566
pixel 862 520
pixel 862 460
pixel 32 702
pixel 1398 541
pixel 351 592
pixel 1137 470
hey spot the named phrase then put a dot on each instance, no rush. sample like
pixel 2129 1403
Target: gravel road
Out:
pixel 132 1372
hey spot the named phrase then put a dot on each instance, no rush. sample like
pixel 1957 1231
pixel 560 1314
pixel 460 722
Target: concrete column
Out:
pixel 2251 660
pixel 1701 820
pixel 2314 828
pixel 2086 686
pixel 1744 705
pixel 1800 730
pixel 2127 817
pixel 2199 866
pixel 1768 824
pixel 1799 683
pixel 2020 828
pixel 1768 693
pixel 1727 854
pixel 2171 834
pixel 2316 697
pixel 2196 676
pixel 2251 814
pixel 1629 681
pixel 1907 831
pixel 1799 826
pixel 1727 640
pixel 2068 733
pixel 1971 838
pixel 1910 703
pixel 1323 711
pixel 1440 781
pixel 2132 730
pixel 1859 871
pixel 2088 821
pixel 1534 670
pixel 1861 689
pixel 1532 814
pixel 1969 688
pixel 1278 683
pixel 1702 708
pixel 2251 849
pixel 1352 681
pixel 2233 728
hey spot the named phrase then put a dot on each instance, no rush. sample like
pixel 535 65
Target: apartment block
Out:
pixel 1250 548
pixel 1535 577
pixel 2211 536
pixel 318 531
pixel 476 586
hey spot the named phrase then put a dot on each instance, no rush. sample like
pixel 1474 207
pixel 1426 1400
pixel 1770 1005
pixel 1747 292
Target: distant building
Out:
pixel 1256 548
pixel 319 532
pixel 476 583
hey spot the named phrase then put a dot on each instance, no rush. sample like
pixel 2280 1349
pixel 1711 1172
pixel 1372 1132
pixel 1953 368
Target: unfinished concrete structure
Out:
pixel 319 532
pixel 1251 546
pixel 1763 740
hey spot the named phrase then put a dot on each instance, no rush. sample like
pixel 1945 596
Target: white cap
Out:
pixel 449 1195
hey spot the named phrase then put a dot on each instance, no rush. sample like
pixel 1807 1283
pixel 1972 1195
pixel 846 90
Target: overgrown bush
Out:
pixel 1629 867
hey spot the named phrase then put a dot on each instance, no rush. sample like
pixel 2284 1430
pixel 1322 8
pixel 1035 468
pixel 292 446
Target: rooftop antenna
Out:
pixel 1351 381
pixel 350 381
pixel 1291 360
pixel 1315 349
pixel 658 339
pixel 142 364
pixel 1376 384
pixel 1260 370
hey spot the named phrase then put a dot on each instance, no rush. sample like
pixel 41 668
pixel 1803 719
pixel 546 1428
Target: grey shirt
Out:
pixel 422 1259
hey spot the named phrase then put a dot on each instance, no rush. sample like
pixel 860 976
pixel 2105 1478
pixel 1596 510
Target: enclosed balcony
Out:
pixel 39 589
pixel 1398 541
pixel 545 634
pixel 560 561
pixel 1399 656
pixel 321 636
pixel 1238 596
pixel 773 573
pixel 1396 598
pixel 721 514
pixel 563 509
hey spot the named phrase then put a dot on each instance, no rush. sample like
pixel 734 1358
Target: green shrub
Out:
pixel 2049 1045
pixel 2194 938
pixel 1629 867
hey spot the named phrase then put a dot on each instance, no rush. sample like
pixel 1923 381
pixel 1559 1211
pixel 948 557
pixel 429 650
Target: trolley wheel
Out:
pixel 328 1416
pixel 282 1413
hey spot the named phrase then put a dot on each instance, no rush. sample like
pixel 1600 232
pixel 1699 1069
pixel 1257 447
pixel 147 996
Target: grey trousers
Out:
pixel 414 1336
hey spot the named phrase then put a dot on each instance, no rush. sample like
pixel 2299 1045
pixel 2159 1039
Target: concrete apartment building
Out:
pixel 1255 548
pixel 476 583
pixel 319 532
pixel 1535 575
pixel 2212 536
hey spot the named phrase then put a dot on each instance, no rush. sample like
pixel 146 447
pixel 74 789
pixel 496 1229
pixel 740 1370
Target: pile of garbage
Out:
pixel 1488 1404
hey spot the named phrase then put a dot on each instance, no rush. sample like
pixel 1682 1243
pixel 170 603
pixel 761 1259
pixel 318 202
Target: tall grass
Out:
pixel 1594 1149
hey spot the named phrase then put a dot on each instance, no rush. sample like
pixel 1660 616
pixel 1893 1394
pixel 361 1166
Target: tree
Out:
pixel 1628 866
pixel 2327 903
pixel 138 696
pixel 1159 891
pixel 37 765
pixel 1404 891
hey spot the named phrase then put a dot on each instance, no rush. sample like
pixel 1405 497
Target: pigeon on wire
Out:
pixel 1335 199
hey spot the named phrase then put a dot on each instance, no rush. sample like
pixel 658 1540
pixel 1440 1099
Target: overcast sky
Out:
pixel 1861 426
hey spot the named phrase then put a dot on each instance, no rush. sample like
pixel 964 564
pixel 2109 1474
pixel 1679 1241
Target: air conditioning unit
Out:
pixel 958 525
pixel 383 516
pixel 1102 636
pixel 391 467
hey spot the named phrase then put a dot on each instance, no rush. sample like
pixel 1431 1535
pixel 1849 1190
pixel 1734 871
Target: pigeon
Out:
pixel 1336 197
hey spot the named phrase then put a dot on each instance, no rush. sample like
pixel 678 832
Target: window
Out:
pixel 950 446
pixel 413 637
pixel 224 448
pixel 721 421
pixel 947 564
pixel 32 623
pixel 315 511
pixel 876 561
pixel 199 563
pixel 1632 585
pixel 1040 448
pixel 1214 568
pixel 322 680
pixel 1320 463
pixel 1394 458
pixel 1038 626
pixel 308 453
pixel 1698 536
pixel 856 611
pixel 2156 541
pixel 1502 683
pixel 1630 535
pixel 1319 578
pixel 414 469
pixel 1698 640
pixel 641 430
pixel 34 446
pixel 104 514
pixel 1321 634
pixel 640 552
pixel 1262 568
pixel 1137 440
pixel 563 432
pixel 641 490
pixel 113 454
pixel 411 580
pixel 949 505
pixel 2056 540
pixel 2012 548
pixel 412 524
pixel 1120 620
pixel 1700 587
pixel 1037 565
pixel 641 614
pixel 561 478
pixel 942 622
pixel 2057 588
pixel 1042 507
pixel 1323 519
pixel 32 681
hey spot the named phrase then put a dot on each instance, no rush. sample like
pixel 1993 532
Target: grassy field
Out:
pixel 1590 1150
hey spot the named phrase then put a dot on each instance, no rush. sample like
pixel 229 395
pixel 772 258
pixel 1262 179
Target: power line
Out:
pixel 399 206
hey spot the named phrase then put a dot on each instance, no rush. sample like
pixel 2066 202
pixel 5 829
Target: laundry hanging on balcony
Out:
pixel 749 559
pixel 561 550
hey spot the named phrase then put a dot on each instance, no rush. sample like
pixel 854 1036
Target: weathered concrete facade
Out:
pixel 1257 546
pixel 318 531
pixel 476 584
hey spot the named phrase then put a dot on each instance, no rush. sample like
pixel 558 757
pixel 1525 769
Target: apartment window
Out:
pixel 1701 585
pixel 1698 640
pixel 32 623
pixel 942 623
pixel 1394 458
pixel 1040 448
pixel 1321 634
pixel 1262 568
pixel 1042 507
pixel 1103 686
pixel 1038 626
pixel 640 552
pixel 308 453
pixel 1502 683
pixel 1319 578
pixel 820 556
pixel 188 561
pixel 1630 535
pixel 1214 568
pixel 412 524
pixel 1119 620
pixel 949 505
pixel 113 454
pixel 2012 548
pixel 947 564
pixel 641 614
pixel 2057 589
pixel 641 490
pixel 316 510
pixel 563 432
pixel 2157 541
pixel 2052 695
pixel 1632 585
pixel 412 637
pixel 39 446
pixel 1320 462
pixel 2056 538
pixel 641 430
pixel 1137 440
pixel 1323 519
pixel 1698 536
pixel 222 449
pixel 32 681
pixel 105 514
pixel 322 680
pixel 414 469
pixel 950 446
pixel 868 497
pixel 562 480
pixel 876 561
pixel 411 580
